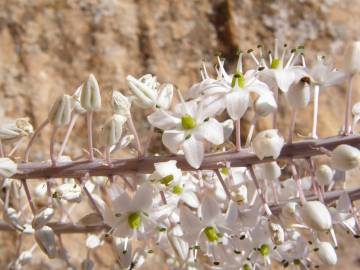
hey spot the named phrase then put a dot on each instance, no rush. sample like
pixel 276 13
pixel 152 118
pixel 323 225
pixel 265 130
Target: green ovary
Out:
pixel 167 179
pixel 134 220
pixel 246 267
pixel 211 234
pixel 177 190
pixel 188 122
pixel 275 63
pixel 224 170
pixel 264 250
pixel 240 80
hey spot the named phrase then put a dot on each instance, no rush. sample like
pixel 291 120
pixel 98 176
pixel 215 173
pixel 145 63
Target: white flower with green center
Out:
pixel 131 216
pixel 184 190
pixel 149 93
pixel 186 129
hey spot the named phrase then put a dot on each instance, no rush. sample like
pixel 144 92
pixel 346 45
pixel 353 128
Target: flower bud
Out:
pixel 11 217
pixel 90 95
pixel 327 253
pixel 268 143
pixel 120 103
pixel 112 130
pixel 324 175
pixel 345 157
pixel 42 218
pixel 7 167
pixel 45 238
pixel 25 257
pixel 270 170
pixel 77 103
pixel 166 93
pixel 69 191
pixel 352 58
pixel 265 105
pixel 277 233
pixel 299 93
pixel 316 215
pixel 15 130
pixel 239 195
pixel 144 89
pixel 60 113
pixel 288 211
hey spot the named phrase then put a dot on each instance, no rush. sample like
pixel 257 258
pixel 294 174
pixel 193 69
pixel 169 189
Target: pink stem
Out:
pixel 238 135
pixel 28 195
pixel 276 96
pixel 134 132
pixel 292 126
pixel 251 132
pixel 222 182
pixel 37 131
pixel 107 155
pixel 315 113
pixel 17 145
pixel 163 198
pixel 91 199
pixel 298 183
pixel 52 146
pixel 2 154
pixel 74 117
pixel 89 119
pixel 347 127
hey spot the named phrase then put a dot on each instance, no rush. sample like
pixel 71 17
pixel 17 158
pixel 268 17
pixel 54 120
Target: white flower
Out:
pixel 268 143
pixel 187 129
pixel 316 215
pixel 299 94
pixel 15 130
pixel 7 167
pixel 327 253
pixel 120 103
pixel 45 237
pixel 148 94
pixel 90 98
pixel 131 216
pixel 345 157
pixel 60 112
pixel 324 75
pixel 352 58
pixel 128 258
pixel 42 218
pixel 324 175
pixel 69 191
pixel 112 130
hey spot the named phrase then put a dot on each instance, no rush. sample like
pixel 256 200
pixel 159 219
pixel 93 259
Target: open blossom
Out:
pixel 187 128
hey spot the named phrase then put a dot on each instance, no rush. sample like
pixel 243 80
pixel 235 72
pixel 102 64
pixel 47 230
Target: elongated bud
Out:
pixel 166 93
pixel 324 175
pixel 144 89
pixel 265 105
pixel 42 218
pixel 7 167
pixel 352 58
pixel 77 102
pixel 70 192
pixel 11 217
pixel 15 130
pixel 45 238
pixel 268 143
pixel 112 130
pixel 270 170
pixel 90 95
pixel 120 103
pixel 316 215
pixel 345 157
pixel 299 93
pixel 60 113
pixel 327 253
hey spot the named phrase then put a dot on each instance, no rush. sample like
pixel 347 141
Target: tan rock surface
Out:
pixel 48 47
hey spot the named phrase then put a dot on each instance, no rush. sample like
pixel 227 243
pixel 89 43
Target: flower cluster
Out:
pixel 250 205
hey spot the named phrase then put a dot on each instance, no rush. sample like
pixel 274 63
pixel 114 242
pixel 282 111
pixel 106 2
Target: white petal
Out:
pixel 209 209
pixel 163 120
pixel 212 131
pixel 143 197
pixel 344 203
pixel 165 96
pixel 189 223
pixel 172 139
pixel 190 199
pixel 122 204
pixel 284 79
pixel 194 151
pixel 190 108
pixel 237 103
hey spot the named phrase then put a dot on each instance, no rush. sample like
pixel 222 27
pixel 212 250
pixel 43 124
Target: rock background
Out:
pixel 48 47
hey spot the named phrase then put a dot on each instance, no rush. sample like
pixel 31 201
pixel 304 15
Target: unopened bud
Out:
pixel 120 103
pixel 45 238
pixel 316 215
pixel 90 95
pixel 327 253
pixel 268 143
pixel 277 233
pixel 352 58
pixel 11 217
pixel 69 191
pixel 60 113
pixel 166 93
pixel 324 175
pixel 42 218
pixel 7 167
pixel 345 157
pixel 15 130
pixel 112 130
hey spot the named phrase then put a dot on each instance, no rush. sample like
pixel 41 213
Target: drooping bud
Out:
pixel 345 157
pixel 15 130
pixel 270 170
pixel 299 93
pixel 324 175
pixel 69 191
pixel 316 215
pixel 42 218
pixel 60 112
pixel 90 95
pixel 268 143
pixel 11 217
pixel 112 130
pixel 265 105
pixel 45 238
pixel 352 58
pixel 120 103
pixel 7 167
pixel 327 253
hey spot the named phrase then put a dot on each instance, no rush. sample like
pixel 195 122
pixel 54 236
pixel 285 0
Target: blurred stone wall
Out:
pixel 48 47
